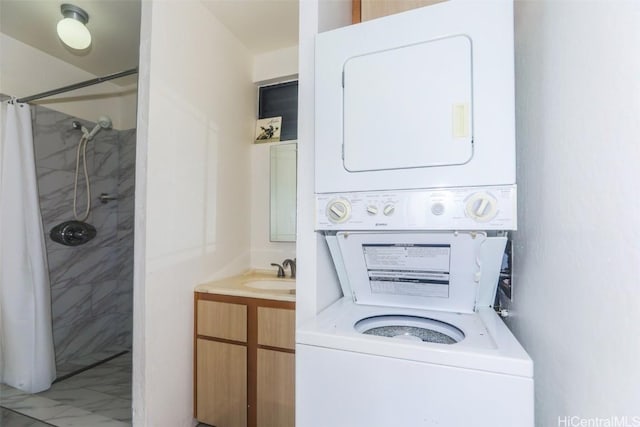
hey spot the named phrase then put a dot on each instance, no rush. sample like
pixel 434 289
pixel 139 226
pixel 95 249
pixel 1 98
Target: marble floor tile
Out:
pixel 122 413
pixel 79 363
pixel 34 406
pixel 6 391
pixel 97 397
pixel 75 417
pixel 121 391
pixel 88 379
pixel 84 398
pixel 9 418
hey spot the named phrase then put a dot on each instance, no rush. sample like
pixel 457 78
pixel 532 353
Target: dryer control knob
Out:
pixel 372 210
pixel 389 209
pixel 481 207
pixel 338 210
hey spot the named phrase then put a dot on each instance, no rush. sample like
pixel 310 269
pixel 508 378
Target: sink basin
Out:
pixel 273 285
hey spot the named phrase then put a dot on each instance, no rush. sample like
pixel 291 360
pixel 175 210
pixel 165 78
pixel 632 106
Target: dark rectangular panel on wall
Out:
pixel 281 100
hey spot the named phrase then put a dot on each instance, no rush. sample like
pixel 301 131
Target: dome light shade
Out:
pixel 72 30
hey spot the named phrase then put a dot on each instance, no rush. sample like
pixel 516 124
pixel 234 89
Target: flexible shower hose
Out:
pixel 82 147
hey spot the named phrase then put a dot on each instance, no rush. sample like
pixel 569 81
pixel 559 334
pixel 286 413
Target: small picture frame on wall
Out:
pixel 268 130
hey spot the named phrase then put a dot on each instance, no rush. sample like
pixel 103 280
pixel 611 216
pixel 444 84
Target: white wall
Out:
pixel 577 258
pixel 276 66
pixel 21 74
pixel 196 120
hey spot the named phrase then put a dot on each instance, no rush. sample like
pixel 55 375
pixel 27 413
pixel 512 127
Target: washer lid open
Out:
pixel 438 271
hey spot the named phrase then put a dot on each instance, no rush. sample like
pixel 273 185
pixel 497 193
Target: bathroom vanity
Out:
pixel 244 340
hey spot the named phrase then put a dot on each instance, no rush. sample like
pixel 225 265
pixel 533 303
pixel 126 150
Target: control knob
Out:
pixel 481 207
pixel 338 210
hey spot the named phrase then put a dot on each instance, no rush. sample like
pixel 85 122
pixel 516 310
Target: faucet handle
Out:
pixel 280 269
pixel 292 265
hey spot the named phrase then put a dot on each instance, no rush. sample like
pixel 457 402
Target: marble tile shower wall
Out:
pixel 91 284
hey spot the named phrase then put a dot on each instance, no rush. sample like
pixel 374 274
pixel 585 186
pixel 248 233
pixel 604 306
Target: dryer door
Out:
pixel 417 100
pixel 409 107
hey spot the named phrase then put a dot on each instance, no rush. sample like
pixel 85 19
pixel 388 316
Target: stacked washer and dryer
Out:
pixel 415 194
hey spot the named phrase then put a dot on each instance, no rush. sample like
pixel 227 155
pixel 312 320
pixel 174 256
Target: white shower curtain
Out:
pixel 27 359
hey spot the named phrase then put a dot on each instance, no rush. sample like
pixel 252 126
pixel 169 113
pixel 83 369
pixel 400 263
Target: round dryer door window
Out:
pixel 412 328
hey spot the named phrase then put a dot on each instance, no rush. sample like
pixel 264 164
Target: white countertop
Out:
pixel 237 286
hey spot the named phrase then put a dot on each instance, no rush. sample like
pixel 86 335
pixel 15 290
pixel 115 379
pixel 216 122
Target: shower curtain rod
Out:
pixel 78 85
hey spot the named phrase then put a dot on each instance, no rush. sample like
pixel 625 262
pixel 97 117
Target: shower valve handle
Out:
pixel 106 198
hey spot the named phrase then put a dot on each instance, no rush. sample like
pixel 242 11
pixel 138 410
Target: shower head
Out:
pixel 104 122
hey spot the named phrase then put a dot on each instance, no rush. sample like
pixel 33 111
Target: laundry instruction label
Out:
pixel 408 269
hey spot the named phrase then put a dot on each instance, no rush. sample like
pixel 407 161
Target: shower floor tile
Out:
pixel 100 396
pixel 75 365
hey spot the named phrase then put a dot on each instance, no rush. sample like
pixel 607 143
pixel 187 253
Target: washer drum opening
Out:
pixel 412 328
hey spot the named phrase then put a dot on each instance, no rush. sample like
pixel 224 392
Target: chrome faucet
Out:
pixel 291 263
pixel 280 269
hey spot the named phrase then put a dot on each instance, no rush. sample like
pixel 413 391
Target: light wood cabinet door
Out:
pixel 221 383
pixel 276 388
pixel 366 10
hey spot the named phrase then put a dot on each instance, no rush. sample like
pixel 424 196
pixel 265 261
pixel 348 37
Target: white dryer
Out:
pixel 414 341
pixel 421 99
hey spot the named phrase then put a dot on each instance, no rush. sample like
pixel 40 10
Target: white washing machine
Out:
pixel 414 341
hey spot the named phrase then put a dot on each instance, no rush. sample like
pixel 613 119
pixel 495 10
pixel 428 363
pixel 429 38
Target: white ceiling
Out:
pixel 261 25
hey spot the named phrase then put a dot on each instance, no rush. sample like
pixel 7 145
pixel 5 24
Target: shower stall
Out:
pixel 66 265
pixel 91 284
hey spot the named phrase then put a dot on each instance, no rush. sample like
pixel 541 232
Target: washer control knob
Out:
pixel 437 208
pixel 372 210
pixel 481 207
pixel 338 210
pixel 388 209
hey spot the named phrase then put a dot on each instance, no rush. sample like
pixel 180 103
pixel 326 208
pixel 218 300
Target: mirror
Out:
pixel 283 192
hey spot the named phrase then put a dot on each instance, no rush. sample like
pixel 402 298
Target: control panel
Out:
pixel 465 208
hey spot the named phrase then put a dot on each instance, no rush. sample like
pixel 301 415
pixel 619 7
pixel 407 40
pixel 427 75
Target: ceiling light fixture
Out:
pixel 72 28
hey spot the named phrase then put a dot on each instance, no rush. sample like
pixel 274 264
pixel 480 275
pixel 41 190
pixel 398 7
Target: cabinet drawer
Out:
pixel 276 327
pixel 222 320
